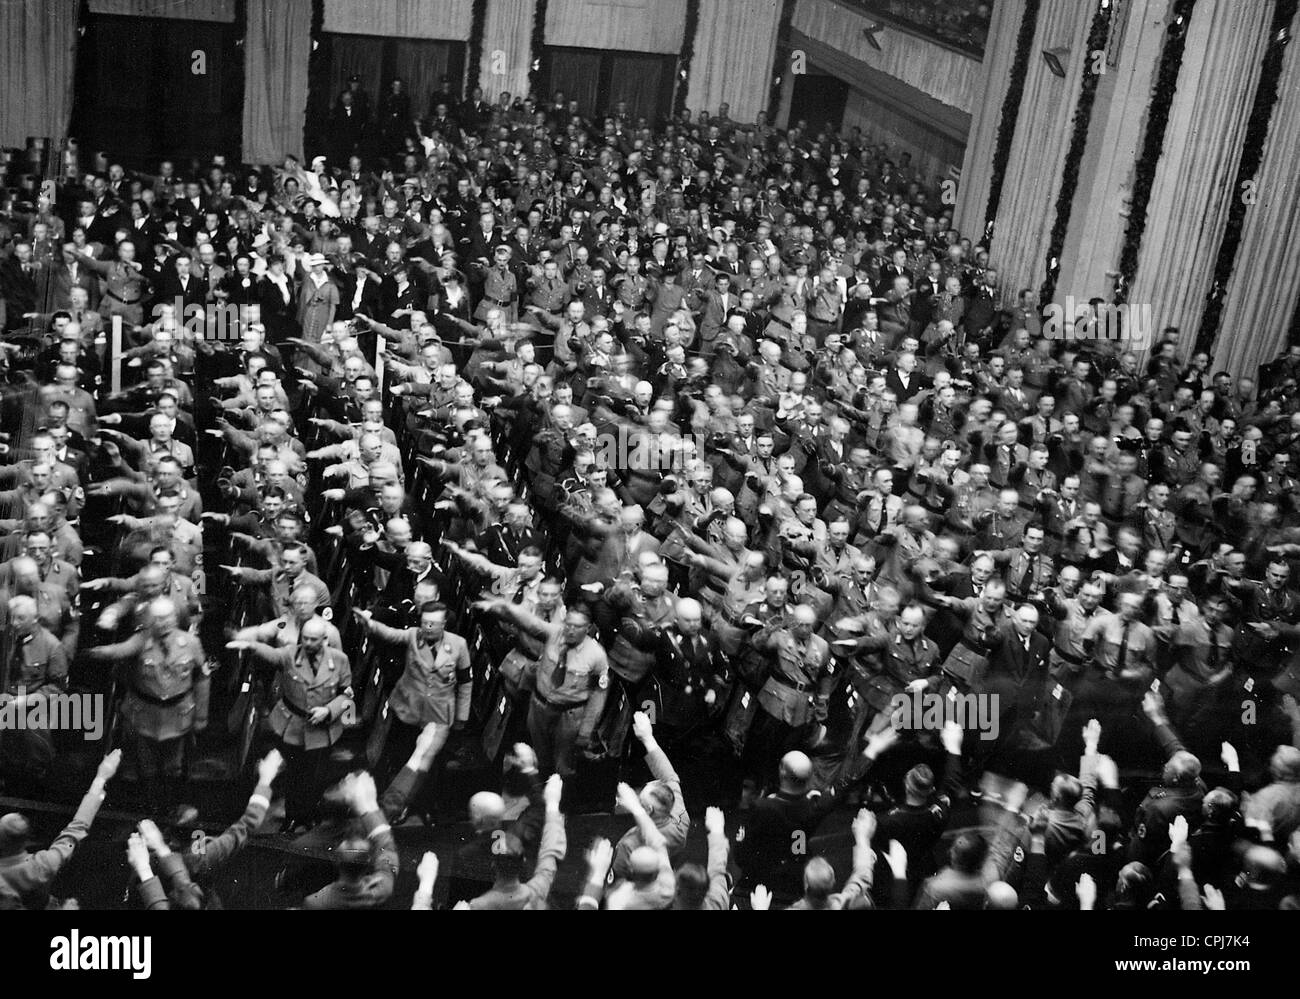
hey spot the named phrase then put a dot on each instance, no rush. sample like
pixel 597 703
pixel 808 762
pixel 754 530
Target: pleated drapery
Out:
pixel 439 19
pixel 1265 283
pixel 507 47
pixel 734 48
pixel 276 49
pixel 38 50
pixel 986 118
pixel 1192 191
pixel 618 25
pixel 1099 219
pixel 222 11
pixel 1032 179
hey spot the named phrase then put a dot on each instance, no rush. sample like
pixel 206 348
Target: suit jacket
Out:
pixel 62 282
pixel 1019 676
pixel 916 384
pixel 20 290
pixel 170 290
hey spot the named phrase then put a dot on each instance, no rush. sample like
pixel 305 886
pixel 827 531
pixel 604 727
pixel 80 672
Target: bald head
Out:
pixel 487 809
pixel 796 770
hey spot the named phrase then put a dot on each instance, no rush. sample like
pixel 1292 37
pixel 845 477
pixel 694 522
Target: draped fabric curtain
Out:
pixel 576 72
pixel 1099 219
pixel 619 25
pixel 188 10
pixel 38 49
pixel 507 48
pixel 360 56
pixel 735 44
pixel 1193 187
pixel 986 117
pixel 1265 282
pixel 1033 176
pixel 420 65
pixel 951 77
pixel 276 48
pixel 638 79
pixel 445 19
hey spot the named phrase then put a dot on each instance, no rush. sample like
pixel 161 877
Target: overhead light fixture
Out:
pixel 1055 59
pixel 870 32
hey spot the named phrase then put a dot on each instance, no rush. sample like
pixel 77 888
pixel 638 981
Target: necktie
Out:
pixel 1122 655
pixel 1174 611
pixel 561 671
pixel 1213 661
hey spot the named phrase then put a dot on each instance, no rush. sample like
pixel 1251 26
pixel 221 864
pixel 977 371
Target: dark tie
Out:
pixel 1213 661
pixel 561 671
pixel 1122 656
pixel 1177 620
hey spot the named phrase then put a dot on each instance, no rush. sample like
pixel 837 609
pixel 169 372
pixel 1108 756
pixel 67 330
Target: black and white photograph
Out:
pixel 649 455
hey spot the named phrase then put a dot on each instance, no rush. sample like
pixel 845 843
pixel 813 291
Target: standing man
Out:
pixel 34 667
pixel 435 686
pixel 162 670
pixel 315 703
pixel 572 681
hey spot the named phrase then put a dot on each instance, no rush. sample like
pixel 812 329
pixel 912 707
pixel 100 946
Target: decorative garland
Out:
pixel 315 71
pixel 1252 153
pixel 1153 144
pixel 237 75
pixel 1010 114
pixel 686 55
pixel 1074 154
pixel 535 46
pixel 1293 333
pixel 474 54
pixel 780 64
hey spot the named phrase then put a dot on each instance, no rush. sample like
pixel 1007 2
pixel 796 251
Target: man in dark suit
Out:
pixel 896 268
pixel 982 307
pixel 21 277
pixel 180 285
pixel 346 128
pixel 1017 677
pixel 904 380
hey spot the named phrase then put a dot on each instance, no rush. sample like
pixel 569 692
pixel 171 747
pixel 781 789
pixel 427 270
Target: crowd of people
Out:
pixel 578 451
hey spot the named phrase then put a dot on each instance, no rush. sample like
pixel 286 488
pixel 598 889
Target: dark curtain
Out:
pixel 421 64
pixel 577 73
pixel 638 80
pixel 194 123
pixel 143 98
pixel 359 55
pixel 123 117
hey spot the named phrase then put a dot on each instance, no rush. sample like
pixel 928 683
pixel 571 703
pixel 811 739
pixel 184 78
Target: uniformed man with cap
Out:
pixel 162 671
pixel 315 704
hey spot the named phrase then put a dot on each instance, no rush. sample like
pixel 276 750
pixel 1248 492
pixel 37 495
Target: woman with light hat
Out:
pixel 318 299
